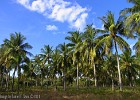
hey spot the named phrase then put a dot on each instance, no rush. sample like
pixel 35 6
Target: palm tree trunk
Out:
pixel 95 78
pixel 41 80
pixel 64 82
pixel 77 78
pixel 65 66
pixel 118 66
pixel 1 77
pixel 112 82
pixel 18 76
pixel 36 83
pixel 13 79
pixel 7 81
pixel 42 73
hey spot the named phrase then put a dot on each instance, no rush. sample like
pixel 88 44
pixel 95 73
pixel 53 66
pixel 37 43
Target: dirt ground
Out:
pixel 56 95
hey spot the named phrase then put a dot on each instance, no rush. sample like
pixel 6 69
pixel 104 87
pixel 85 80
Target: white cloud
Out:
pixel 51 27
pixel 80 22
pixel 38 6
pixel 59 10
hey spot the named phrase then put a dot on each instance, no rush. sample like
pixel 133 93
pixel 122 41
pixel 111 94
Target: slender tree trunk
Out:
pixel 36 83
pixel 55 83
pixel 41 80
pixel 65 66
pixel 64 80
pixel 1 77
pixel 13 79
pixel 42 77
pixel 77 78
pixel 7 80
pixel 18 76
pixel 130 79
pixel 87 79
pixel 118 66
pixel 27 83
pixel 112 82
pixel 95 78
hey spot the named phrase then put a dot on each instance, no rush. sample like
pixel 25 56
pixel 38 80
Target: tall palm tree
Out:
pixel 63 48
pixel 109 66
pixel 129 66
pixel 17 49
pixel 28 70
pixel 45 59
pixel 133 16
pixel 113 38
pixel 2 60
pixel 89 37
pixel 55 68
pixel 75 39
pixel 38 67
pixel 89 43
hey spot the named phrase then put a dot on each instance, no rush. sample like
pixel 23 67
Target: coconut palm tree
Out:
pixel 38 67
pixel 89 43
pixel 46 59
pixel 109 66
pixel 133 16
pixel 55 68
pixel 63 48
pixel 17 49
pixel 113 38
pixel 75 39
pixel 46 54
pixel 129 66
pixel 28 68
pixel 136 47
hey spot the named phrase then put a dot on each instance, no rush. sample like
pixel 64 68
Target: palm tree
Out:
pixel 136 47
pixel 2 60
pixel 46 54
pixel 28 71
pixel 17 49
pixel 129 66
pixel 89 47
pixel 63 48
pixel 45 59
pixel 75 39
pixel 38 67
pixel 55 68
pixel 112 38
pixel 133 18
pixel 109 66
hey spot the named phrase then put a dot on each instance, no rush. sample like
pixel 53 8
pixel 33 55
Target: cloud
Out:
pixel 59 10
pixel 80 21
pixel 51 28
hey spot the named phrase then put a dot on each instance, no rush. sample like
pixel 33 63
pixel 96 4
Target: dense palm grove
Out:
pixel 95 57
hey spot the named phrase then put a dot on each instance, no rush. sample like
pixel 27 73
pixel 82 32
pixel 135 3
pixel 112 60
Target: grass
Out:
pixel 92 93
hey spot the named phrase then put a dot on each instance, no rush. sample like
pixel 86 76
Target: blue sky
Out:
pixel 45 22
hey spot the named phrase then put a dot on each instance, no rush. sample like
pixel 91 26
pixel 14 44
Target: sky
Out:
pixel 45 22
